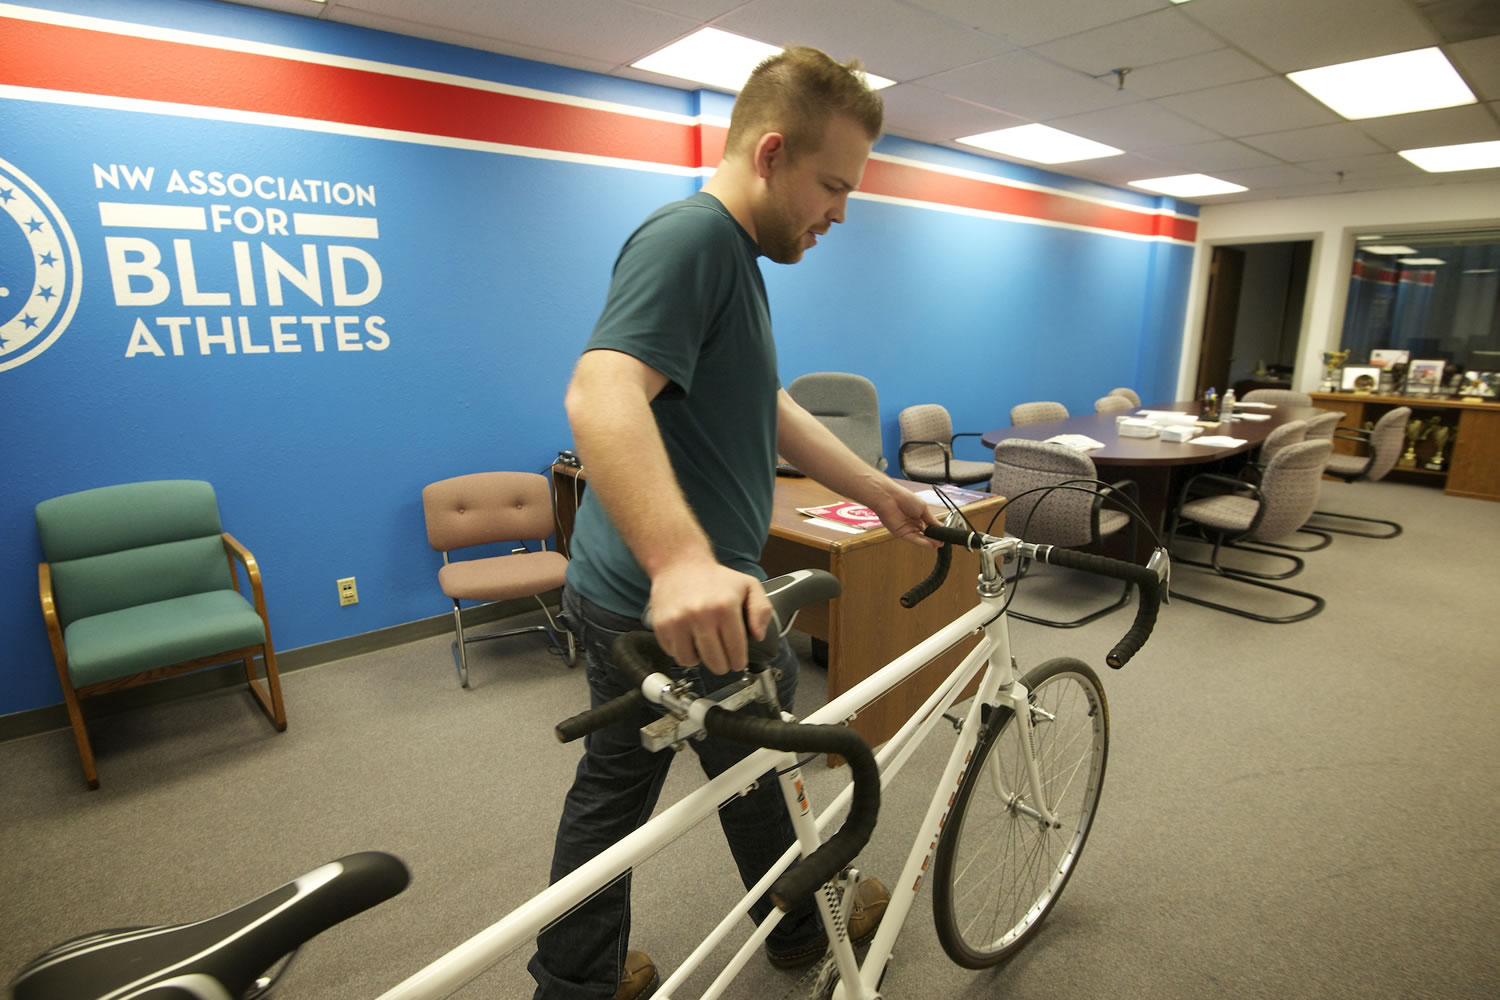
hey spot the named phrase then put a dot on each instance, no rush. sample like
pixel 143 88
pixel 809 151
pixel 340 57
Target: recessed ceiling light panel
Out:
pixel 1464 156
pixel 1388 251
pixel 1426 261
pixel 1188 185
pixel 719 59
pixel 1398 84
pixel 1040 144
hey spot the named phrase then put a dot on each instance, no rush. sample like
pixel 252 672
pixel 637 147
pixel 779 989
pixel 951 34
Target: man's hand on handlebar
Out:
pixel 700 609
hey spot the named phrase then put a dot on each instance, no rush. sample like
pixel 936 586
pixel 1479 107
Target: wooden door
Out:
pixel 1225 274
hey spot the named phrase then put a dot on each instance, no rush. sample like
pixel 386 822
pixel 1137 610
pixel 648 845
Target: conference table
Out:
pixel 1157 467
pixel 865 627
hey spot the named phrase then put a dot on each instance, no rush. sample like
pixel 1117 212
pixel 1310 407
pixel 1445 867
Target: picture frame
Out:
pixel 1384 358
pixel 1480 385
pixel 1360 378
pixel 1424 378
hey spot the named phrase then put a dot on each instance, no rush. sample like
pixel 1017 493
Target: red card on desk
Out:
pixel 844 512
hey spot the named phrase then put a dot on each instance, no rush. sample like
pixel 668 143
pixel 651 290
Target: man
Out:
pixel 678 416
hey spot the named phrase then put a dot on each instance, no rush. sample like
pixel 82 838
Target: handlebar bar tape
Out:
pixel 957 536
pixel 1145 582
pixel 927 587
pixel 607 714
pixel 803 878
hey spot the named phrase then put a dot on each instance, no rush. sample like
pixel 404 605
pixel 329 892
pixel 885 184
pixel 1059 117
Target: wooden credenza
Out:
pixel 1473 463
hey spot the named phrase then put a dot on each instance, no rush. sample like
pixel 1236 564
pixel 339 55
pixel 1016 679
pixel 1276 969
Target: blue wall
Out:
pixel 492 268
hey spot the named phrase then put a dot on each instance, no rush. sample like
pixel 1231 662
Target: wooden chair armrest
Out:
pixel 235 551
pixel 49 602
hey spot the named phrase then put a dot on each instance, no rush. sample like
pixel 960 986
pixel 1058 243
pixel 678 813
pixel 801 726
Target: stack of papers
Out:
pixel 1254 406
pixel 1078 442
pixel 1218 440
pixel 1251 416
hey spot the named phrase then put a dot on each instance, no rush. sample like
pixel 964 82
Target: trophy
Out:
pixel 1414 431
pixel 1332 362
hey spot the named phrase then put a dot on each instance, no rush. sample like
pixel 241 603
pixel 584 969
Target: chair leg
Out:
pixel 460 658
pixel 81 737
pixel 1395 528
pixel 268 699
pixel 1317 602
pixel 1327 540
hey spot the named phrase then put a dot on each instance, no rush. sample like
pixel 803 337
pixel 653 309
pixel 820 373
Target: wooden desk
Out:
pixel 1154 464
pixel 865 627
pixel 1473 466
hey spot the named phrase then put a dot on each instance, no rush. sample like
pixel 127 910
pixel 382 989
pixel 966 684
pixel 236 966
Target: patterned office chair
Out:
pixel 1072 518
pixel 1225 509
pixel 1290 433
pixel 1321 427
pixel 1278 397
pixel 1112 404
pixel 1128 393
pixel 926 453
pixel 1382 446
pixel 1037 413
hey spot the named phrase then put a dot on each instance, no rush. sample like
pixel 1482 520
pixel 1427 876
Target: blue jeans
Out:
pixel 614 791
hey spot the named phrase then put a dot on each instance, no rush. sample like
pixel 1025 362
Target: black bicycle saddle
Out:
pixel 215 959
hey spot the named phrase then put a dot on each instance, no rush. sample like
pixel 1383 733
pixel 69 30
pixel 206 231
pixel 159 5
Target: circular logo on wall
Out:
pixel 40 270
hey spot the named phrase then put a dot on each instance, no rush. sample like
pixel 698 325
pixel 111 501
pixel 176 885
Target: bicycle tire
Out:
pixel 997 873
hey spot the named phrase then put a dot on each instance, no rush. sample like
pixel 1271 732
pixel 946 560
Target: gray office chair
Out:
pixel 1037 413
pixel 926 453
pixel 1321 427
pixel 1128 393
pixel 847 405
pixel 1278 397
pixel 1382 446
pixel 1111 404
pixel 1065 517
pixel 1226 509
pixel 1290 433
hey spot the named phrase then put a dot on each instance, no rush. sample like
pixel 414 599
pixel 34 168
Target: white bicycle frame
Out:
pixel 858 981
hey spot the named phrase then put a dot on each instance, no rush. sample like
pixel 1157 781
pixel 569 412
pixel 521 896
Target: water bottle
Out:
pixel 1226 406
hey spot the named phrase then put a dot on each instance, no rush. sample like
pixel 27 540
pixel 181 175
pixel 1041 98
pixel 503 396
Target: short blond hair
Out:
pixel 796 92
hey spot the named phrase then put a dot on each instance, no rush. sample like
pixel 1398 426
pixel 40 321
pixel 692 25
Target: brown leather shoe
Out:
pixel 870 901
pixel 639 980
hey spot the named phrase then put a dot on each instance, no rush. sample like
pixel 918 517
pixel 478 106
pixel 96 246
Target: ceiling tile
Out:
pixel 1365 169
pixel 1445 126
pixel 1479 63
pixel 1289 35
pixel 1027 22
pixel 915 112
pixel 1207 157
pixel 609 31
pixel 1134 126
pixel 1208 69
pixel 1140 41
pixel 1259 178
pixel 890 38
pixel 1317 143
pixel 1024 85
pixel 1121 170
pixel 1251 107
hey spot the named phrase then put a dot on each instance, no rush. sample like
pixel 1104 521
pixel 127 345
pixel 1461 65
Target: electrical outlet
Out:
pixel 348 594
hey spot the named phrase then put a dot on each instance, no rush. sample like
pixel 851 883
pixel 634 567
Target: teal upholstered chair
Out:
pixel 140 584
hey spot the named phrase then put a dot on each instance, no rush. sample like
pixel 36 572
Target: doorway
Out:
pixel 1253 316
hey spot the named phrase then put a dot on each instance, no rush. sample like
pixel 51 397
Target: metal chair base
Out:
pixel 560 637
pixel 1327 540
pixel 1254 580
pixel 1396 529
pixel 1075 623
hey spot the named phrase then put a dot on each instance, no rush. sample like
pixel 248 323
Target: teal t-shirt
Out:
pixel 687 299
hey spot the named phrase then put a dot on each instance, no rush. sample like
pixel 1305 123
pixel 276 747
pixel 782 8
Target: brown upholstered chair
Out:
pixel 1128 393
pixel 1290 433
pixel 1112 404
pixel 484 508
pixel 926 453
pixel 1278 397
pixel 1037 413
pixel 1225 509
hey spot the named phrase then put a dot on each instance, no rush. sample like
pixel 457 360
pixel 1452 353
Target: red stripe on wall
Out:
pixel 77 60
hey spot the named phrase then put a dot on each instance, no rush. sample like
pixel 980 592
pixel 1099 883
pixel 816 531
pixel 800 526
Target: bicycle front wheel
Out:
pixel 999 868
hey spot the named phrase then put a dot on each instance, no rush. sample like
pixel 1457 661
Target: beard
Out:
pixel 780 235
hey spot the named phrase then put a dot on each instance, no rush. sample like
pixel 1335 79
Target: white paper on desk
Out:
pixel 1166 416
pixel 1238 403
pixel 1078 442
pixel 1251 416
pixel 835 525
pixel 1218 440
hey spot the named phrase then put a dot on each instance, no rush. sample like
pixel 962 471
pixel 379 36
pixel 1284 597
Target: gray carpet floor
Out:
pixel 1304 810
